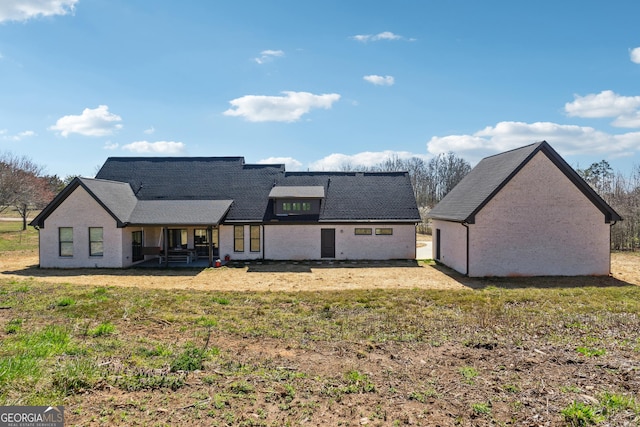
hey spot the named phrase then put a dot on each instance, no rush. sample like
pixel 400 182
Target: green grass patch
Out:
pixel 579 414
pixel 190 359
pixel 481 408
pixel 591 352
pixel 13 326
pixel 469 374
pixel 102 330
pixel 65 302
pixel 12 238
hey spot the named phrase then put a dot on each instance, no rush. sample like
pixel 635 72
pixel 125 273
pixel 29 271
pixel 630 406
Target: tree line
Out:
pixel 622 193
pixel 431 180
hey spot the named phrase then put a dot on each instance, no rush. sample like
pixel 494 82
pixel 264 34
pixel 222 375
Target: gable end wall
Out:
pixel 539 224
pixel 80 211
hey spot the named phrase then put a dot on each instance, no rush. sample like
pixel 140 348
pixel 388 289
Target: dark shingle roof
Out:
pixel 199 190
pixel 198 178
pixel 175 212
pixel 359 196
pixel 492 173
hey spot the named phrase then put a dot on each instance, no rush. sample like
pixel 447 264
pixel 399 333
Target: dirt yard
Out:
pixel 521 380
pixel 302 276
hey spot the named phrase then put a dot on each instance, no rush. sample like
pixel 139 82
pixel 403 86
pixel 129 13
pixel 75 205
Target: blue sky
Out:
pixel 317 84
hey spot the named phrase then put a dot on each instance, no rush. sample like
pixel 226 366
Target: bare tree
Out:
pixel 21 185
pixel 623 194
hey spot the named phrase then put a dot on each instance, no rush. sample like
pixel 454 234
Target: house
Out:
pixel 524 212
pixel 186 208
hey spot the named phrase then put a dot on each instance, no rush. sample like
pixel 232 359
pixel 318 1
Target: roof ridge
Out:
pixel 539 143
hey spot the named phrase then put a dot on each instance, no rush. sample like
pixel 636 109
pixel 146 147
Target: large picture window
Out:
pixel 65 238
pixel 238 238
pixel 96 243
pixel 255 238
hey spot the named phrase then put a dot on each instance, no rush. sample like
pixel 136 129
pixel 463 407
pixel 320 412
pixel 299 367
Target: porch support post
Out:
pixel 165 231
pixel 210 242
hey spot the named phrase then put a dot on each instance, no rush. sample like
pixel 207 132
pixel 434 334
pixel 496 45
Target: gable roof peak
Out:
pixel 492 173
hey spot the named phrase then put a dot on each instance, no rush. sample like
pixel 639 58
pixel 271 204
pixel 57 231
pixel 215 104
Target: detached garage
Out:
pixel 524 212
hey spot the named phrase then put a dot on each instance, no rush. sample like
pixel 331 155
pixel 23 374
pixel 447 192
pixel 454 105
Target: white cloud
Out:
pixel 22 10
pixel 287 108
pixel 150 131
pixel 110 145
pixel 628 120
pixel 339 161
pixel 268 55
pixel 604 104
pixel 96 122
pixel 17 137
pixel 566 139
pixel 634 54
pixel 158 147
pixel 289 163
pixel 385 35
pixel 380 80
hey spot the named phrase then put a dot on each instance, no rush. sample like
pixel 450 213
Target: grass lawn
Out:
pixel 12 238
pixel 496 356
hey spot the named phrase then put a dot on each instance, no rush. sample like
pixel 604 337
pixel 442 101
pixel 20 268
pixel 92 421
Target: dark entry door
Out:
pixel 136 246
pixel 328 243
pixel 437 243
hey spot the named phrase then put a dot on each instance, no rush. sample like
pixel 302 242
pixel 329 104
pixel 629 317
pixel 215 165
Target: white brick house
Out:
pixel 524 212
pixel 181 209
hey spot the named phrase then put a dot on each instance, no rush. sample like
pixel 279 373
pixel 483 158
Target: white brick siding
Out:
pixel 540 223
pixel 80 211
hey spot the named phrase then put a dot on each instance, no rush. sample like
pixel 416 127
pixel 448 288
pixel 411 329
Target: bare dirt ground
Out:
pixel 301 276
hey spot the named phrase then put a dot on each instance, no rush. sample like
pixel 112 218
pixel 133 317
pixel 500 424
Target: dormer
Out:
pixel 296 200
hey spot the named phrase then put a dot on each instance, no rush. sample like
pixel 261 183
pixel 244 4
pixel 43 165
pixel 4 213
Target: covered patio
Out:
pixel 177 233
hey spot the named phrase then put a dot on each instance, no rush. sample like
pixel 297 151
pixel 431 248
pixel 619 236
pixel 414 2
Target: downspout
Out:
pixel 610 225
pixel 262 240
pixel 466 225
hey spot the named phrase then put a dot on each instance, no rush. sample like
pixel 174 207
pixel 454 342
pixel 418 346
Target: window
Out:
pixel 65 237
pixel 363 232
pixel 177 238
pixel 238 238
pixel 294 207
pixel 384 231
pixel 96 244
pixel 255 238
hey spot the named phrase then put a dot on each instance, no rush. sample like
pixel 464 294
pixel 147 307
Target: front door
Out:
pixel 328 243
